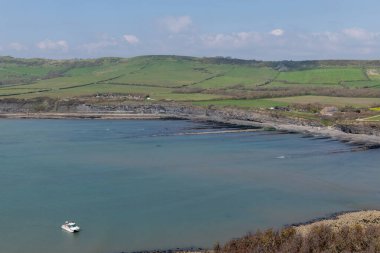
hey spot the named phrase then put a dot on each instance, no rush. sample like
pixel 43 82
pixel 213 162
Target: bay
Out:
pixel 134 185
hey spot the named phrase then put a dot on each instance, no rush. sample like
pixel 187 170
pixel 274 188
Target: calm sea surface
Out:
pixel 143 184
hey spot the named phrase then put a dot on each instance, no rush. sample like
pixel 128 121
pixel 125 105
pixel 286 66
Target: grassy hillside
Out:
pixel 210 81
pixel 323 76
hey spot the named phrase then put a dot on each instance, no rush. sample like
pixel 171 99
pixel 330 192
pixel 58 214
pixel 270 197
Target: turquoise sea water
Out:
pixel 135 185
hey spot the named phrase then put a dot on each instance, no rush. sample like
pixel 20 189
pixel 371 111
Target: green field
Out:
pixel 323 76
pixel 243 77
pixel 337 101
pixel 219 81
pixel 361 84
pixel 281 84
pixel 167 72
pixel 254 103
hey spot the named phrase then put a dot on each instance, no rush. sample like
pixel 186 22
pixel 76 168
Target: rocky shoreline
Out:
pixel 358 133
pixel 178 250
pixel 79 115
pixel 369 140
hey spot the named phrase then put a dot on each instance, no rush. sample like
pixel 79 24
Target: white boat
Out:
pixel 70 226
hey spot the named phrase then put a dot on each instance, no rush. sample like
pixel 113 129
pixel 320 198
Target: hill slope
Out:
pixel 204 81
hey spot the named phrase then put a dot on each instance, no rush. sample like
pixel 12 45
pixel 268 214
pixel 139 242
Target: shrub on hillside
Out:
pixel 320 238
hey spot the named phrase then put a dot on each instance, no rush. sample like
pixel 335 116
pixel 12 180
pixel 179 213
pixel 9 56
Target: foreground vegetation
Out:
pixel 320 239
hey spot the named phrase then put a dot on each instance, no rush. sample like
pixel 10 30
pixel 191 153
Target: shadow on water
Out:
pixel 351 147
pixel 323 153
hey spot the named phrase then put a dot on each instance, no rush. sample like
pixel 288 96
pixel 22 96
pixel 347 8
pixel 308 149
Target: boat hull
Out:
pixel 69 229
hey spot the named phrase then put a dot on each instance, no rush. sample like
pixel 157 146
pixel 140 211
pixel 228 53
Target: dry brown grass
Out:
pixel 321 238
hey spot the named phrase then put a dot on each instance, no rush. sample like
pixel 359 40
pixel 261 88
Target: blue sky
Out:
pixel 250 29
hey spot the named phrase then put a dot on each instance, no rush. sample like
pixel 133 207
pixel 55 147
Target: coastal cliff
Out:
pixel 356 132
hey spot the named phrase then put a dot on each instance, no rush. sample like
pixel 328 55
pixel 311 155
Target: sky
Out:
pixel 247 29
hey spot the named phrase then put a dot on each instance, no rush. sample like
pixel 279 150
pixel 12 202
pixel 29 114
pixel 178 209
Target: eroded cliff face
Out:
pixel 360 128
pixel 44 105
pixel 178 110
pixel 12 105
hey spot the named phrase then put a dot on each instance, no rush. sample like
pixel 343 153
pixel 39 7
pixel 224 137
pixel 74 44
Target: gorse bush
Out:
pixel 319 239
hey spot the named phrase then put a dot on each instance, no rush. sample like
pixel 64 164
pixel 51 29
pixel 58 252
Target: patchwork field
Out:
pixel 204 81
pixel 255 103
pixel 239 77
pixel 323 76
pixel 337 101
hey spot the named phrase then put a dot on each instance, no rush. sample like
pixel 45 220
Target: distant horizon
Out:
pixel 190 56
pixel 269 30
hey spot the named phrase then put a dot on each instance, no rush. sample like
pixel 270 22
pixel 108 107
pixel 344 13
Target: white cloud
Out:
pixel 357 33
pixel 177 24
pixel 361 34
pixel 17 46
pixel 131 39
pixel 347 43
pixel 183 39
pixel 351 39
pixel 235 40
pixel 331 37
pixel 95 46
pixel 53 45
pixel 107 42
pixel 277 32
